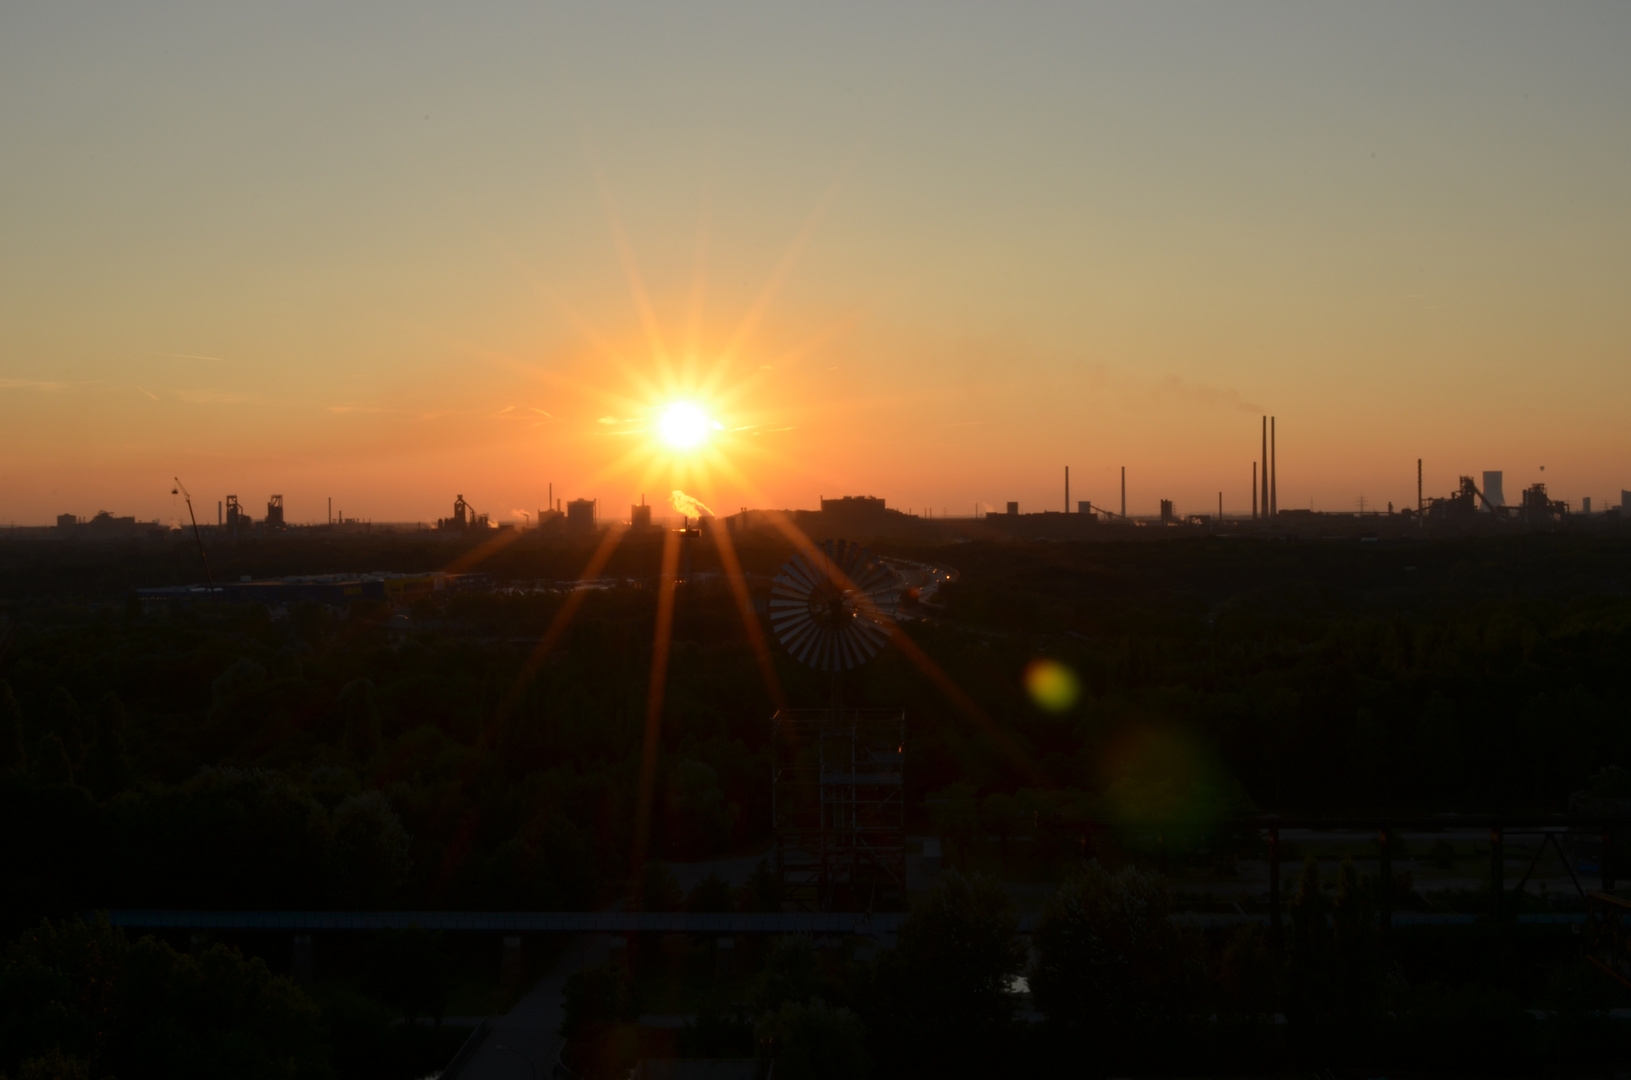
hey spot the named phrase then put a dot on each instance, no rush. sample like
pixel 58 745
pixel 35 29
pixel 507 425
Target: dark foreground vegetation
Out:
pixel 1116 988
pixel 232 757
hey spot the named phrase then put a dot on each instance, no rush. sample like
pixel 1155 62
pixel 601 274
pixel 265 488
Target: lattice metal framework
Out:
pixel 839 806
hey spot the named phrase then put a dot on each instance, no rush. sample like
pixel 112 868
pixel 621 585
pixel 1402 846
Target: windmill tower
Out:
pixel 838 799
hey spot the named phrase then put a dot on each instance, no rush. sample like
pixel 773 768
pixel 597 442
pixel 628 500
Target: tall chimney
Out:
pixel 1067 489
pixel 1419 503
pixel 1263 477
pixel 1274 474
pixel 1124 493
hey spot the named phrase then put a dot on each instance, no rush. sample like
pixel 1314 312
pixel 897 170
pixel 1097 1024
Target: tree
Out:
pixel 816 1041
pixel 941 1001
pixel 67 724
pixel 791 974
pixel 659 888
pixel 1003 816
pixel 1334 971
pixel 234 689
pixel 107 767
pixel 51 765
pixel 1111 968
pixel 712 893
pixel 369 850
pixel 361 734
pixel 13 757
pixel 598 1005
pixel 80 996
pixel 956 817
pixel 763 891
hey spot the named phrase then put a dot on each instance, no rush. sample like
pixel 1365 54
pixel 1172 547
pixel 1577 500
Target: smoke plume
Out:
pixel 688 506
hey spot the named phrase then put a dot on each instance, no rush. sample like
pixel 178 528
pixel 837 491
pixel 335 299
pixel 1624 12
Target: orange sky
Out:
pixel 930 253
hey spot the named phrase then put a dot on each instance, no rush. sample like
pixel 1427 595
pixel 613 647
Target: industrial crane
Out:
pixel 182 489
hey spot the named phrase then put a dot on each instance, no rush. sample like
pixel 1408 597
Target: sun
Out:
pixel 684 426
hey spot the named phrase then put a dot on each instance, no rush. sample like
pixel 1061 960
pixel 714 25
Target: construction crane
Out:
pixel 182 489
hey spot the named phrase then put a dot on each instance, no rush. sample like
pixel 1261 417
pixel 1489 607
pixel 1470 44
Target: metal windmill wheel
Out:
pixel 833 607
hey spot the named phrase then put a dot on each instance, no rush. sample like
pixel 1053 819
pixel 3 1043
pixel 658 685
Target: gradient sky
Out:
pixel 389 252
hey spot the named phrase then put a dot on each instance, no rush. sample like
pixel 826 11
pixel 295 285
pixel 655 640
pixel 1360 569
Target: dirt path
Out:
pixel 527 1034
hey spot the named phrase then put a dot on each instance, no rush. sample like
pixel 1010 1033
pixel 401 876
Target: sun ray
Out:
pixel 750 621
pixel 909 648
pixel 557 626
pixel 487 548
pixel 637 284
pixel 779 275
pixel 628 460
pixel 662 638
pixel 699 281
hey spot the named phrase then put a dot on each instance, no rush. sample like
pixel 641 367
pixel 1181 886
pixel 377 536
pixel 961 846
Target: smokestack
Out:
pixel 1263 480
pixel 1419 503
pixel 1274 474
pixel 1124 493
pixel 1067 489
pixel 551 501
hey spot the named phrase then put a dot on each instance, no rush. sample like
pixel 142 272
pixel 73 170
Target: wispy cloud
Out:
pixel 148 392
pixel 210 397
pixel 31 384
pixel 358 409
pixel 1175 388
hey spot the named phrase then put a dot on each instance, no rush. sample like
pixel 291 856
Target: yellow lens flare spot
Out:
pixel 1052 685
pixel 684 426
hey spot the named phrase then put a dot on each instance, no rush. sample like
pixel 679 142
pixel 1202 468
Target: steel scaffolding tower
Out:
pixel 839 806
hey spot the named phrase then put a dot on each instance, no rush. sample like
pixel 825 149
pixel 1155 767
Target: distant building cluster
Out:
pixel 104 525
pixel 1473 505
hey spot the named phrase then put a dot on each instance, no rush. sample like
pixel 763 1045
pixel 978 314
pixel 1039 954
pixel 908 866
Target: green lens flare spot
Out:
pixel 1052 685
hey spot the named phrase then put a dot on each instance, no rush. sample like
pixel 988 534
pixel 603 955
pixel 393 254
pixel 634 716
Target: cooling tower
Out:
pixel 1492 489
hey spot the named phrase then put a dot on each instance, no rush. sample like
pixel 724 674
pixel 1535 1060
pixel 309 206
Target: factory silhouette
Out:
pixel 1471 507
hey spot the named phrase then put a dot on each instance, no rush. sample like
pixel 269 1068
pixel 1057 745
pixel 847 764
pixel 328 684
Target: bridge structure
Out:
pixel 1586 846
